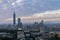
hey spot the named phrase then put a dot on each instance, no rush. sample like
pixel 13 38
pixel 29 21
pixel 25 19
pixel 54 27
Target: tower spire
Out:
pixel 14 19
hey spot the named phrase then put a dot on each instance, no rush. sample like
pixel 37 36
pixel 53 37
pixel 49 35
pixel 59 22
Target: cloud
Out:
pixel 10 1
pixel 47 16
pixel 14 5
pixel 5 6
pixel 37 9
pixel 1 1
pixel 17 2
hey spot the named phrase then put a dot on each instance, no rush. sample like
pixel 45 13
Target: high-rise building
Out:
pixel 42 23
pixel 14 19
pixel 41 26
pixel 35 24
pixel 19 23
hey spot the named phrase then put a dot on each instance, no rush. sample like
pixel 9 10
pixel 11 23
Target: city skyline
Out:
pixel 30 10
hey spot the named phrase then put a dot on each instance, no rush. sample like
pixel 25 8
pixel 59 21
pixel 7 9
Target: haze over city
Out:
pixel 30 10
pixel 29 19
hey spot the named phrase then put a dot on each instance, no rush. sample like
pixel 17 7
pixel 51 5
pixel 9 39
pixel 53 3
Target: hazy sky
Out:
pixel 30 10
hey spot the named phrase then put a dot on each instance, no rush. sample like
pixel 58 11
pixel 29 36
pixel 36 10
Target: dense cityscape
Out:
pixel 35 31
pixel 29 19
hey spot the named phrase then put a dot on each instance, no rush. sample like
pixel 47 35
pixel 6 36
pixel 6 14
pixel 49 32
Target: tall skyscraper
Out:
pixel 14 19
pixel 42 26
pixel 19 23
pixel 42 23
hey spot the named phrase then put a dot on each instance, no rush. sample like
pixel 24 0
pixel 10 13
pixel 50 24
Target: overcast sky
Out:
pixel 30 10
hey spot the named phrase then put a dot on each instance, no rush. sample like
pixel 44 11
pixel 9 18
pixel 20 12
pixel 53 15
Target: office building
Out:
pixel 19 23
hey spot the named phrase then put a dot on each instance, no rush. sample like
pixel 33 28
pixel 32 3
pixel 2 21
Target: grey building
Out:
pixel 19 23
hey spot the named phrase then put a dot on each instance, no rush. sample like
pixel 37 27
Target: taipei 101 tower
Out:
pixel 14 19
